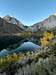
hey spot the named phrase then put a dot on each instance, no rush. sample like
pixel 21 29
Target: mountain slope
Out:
pixel 10 25
pixel 47 24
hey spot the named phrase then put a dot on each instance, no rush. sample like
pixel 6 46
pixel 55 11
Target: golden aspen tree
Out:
pixel 47 36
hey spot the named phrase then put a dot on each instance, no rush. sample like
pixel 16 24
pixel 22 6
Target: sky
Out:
pixel 28 11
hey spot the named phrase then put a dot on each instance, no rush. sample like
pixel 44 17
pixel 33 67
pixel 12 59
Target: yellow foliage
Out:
pixel 11 58
pixel 44 42
pixel 48 35
pixel 46 38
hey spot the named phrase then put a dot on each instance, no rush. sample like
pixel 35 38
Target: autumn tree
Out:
pixel 47 36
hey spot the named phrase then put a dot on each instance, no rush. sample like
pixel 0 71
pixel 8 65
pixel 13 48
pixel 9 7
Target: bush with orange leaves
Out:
pixel 47 36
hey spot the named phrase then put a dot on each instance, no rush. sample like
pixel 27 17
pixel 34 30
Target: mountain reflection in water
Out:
pixel 28 46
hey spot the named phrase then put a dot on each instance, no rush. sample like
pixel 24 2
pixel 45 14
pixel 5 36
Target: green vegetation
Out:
pixel 42 62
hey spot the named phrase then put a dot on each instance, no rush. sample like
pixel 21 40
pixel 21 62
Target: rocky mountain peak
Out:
pixel 54 14
pixel 46 24
pixel 10 25
pixel 10 19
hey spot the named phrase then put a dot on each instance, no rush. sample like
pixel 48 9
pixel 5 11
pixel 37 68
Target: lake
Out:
pixel 27 46
pixel 24 47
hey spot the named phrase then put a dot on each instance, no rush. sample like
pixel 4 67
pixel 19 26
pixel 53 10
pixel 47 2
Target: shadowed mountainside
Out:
pixel 10 25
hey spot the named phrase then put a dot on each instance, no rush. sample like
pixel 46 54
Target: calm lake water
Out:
pixel 25 47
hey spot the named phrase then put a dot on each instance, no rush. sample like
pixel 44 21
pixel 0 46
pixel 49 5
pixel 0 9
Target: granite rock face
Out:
pixel 47 24
pixel 10 25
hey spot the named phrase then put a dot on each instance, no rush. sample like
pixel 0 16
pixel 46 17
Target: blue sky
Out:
pixel 28 11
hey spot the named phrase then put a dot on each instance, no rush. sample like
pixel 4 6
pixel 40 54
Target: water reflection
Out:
pixel 28 46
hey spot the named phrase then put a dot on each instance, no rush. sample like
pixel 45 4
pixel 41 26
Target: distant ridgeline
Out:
pixel 13 31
